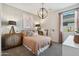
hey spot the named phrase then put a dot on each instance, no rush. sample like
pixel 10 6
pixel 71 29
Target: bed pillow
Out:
pixel 27 33
pixel 40 33
pixel 35 34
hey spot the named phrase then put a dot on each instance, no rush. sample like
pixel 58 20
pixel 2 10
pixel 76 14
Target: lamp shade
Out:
pixel 12 23
pixel 37 25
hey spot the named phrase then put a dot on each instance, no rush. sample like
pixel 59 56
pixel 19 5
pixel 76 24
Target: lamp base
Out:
pixel 12 30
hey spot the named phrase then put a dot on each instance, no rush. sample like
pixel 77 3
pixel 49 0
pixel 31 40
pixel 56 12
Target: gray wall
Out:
pixel 21 18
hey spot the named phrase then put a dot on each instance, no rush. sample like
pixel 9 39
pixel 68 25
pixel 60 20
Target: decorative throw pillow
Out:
pixel 40 32
pixel 29 33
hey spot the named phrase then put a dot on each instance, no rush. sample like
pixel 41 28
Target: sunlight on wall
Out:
pixel 0 30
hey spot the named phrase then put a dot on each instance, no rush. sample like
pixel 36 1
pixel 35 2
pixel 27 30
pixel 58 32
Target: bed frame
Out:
pixel 39 51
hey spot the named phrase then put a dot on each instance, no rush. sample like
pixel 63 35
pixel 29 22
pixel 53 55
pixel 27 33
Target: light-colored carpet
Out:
pixel 54 50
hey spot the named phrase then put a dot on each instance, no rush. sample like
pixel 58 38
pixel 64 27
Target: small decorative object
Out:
pixel 42 13
pixel 76 39
pixel 12 30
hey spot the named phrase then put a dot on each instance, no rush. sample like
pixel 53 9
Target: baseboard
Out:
pixel 56 42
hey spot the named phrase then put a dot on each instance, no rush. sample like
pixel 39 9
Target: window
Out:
pixel 68 21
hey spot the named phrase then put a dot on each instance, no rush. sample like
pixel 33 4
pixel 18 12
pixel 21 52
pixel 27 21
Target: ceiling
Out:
pixel 34 7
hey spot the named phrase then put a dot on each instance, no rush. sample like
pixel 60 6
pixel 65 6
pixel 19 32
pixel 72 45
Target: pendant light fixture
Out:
pixel 42 13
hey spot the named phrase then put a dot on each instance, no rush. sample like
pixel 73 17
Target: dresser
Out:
pixel 11 40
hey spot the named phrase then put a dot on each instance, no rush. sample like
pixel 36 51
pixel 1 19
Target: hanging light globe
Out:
pixel 42 13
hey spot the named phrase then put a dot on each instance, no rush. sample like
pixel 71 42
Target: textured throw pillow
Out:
pixel 29 33
pixel 40 32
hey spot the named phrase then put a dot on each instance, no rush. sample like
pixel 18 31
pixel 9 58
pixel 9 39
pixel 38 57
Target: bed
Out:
pixel 37 44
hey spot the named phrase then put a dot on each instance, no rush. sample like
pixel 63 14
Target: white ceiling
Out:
pixel 34 7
